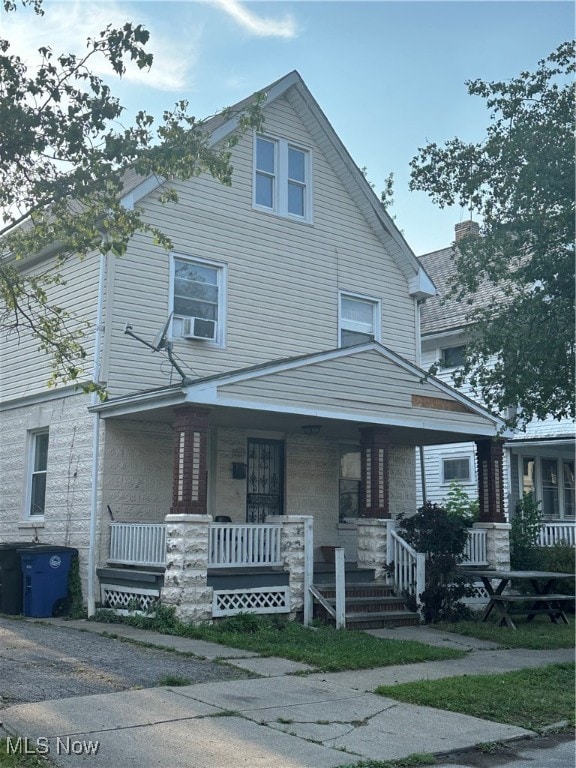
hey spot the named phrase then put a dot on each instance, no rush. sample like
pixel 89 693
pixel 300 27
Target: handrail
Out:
pixel 408 566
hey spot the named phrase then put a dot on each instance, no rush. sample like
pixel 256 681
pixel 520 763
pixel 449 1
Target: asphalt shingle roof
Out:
pixel 442 314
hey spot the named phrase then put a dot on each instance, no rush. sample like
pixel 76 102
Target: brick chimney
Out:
pixel 466 229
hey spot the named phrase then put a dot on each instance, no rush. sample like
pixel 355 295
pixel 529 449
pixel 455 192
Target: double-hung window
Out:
pixel 359 320
pixel 282 178
pixel 37 476
pixel 198 299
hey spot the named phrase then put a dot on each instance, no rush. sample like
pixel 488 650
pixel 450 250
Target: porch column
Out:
pixel 490 480
pixel 375 485
pixel 190 462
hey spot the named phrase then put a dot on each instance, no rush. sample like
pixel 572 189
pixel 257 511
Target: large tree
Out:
pixel 62 163
pixel 517 278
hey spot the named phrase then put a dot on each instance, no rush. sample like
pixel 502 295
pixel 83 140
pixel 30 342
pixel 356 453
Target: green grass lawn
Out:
pixel 527 698
pixel 323 647
pixel 540 633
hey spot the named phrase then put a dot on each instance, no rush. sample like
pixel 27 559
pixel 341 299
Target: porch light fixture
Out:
pixel 311 429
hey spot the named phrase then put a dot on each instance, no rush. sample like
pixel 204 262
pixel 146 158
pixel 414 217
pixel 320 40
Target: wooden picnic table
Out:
pixel 541 600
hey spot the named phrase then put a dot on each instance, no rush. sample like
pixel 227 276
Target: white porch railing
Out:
pixel 138 544
pixel 408 565
pixel 230 545
pixel 475 552
pixel 554 533
pixel 236 546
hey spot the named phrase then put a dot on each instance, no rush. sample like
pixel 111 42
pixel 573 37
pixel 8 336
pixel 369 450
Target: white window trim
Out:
pixel 377 304
pixel 280 188
pixel 539 485
pixel 222 269
pixel 458 457
pixel 30 471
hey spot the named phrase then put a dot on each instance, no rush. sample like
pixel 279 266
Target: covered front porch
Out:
pixel 330 437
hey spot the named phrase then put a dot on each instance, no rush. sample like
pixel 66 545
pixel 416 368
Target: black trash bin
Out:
pixel 11 576
pixel 45 571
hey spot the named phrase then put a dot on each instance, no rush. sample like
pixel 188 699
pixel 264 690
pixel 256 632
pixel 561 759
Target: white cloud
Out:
pixel 65 27
pixel 258 25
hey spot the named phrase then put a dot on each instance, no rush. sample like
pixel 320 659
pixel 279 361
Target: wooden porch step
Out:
pixel 379 620
pixel 373 589
pixel 374 605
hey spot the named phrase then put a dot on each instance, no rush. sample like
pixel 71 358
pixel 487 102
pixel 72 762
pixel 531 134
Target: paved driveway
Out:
pixel 40 662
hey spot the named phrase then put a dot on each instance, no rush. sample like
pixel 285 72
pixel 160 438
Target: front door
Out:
pixel 265 480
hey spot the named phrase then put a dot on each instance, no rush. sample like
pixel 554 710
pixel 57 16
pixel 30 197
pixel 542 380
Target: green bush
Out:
pixel 460 506
pixel 524 534
pixel 443 538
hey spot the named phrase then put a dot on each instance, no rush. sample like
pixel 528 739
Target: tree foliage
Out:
pixel 62 162
pixel 517 279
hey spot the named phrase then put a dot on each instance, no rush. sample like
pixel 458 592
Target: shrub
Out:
pixel 524 533
pixel 443 538
pixel 460 506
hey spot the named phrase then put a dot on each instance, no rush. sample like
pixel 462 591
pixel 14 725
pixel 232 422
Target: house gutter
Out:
pixel 91 599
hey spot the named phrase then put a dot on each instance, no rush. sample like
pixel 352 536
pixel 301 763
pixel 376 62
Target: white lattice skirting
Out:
pixel 228 602
pixel 124 600
pixel 480 597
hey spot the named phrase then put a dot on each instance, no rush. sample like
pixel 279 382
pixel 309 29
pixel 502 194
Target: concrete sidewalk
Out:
pixel 276 721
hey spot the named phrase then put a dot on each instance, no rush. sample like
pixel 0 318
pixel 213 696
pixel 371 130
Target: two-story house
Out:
pixel 539 457
pixel 291 383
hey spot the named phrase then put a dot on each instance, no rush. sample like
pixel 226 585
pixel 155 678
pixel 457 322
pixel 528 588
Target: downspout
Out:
pixel 91 599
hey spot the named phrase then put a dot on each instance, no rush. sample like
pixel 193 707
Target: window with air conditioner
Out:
pixel 198 300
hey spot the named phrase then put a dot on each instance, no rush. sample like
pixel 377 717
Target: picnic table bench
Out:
pixel 541 600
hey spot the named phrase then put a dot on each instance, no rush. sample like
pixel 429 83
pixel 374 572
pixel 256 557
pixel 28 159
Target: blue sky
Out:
pixel 389 76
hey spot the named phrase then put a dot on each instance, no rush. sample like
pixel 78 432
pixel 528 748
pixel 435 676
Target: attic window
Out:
pixel 282 182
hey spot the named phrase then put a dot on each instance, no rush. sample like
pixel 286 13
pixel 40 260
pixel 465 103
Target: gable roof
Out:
pixel 296 92
pixel 364 384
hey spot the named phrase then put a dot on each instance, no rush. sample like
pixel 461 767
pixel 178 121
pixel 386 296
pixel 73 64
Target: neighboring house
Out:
pixel 538 459
pixel 291 304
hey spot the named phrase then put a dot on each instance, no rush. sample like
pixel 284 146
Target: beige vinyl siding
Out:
pixel 365 383
pixel 283 275
pixel 24 369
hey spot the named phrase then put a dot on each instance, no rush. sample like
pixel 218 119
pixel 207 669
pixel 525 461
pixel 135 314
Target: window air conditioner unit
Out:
pixel 199 328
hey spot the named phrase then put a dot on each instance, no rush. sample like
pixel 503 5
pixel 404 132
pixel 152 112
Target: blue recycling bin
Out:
pixel 45 575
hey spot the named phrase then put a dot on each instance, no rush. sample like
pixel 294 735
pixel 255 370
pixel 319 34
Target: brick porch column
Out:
pixel 375 485
pixel 190 462
pixel 490 480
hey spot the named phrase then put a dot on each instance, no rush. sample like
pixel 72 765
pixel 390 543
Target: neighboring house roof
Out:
pixel 440 313
pixel 365 384
pixel 294 89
